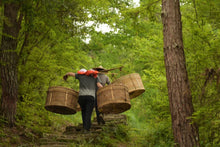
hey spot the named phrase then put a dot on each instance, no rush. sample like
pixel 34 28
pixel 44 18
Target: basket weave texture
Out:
pixel 133 82
pixel 61 100
pixel 113 99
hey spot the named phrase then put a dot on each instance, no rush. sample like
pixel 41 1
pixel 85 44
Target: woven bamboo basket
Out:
pixel 113 99
pixel 133 82
pixel 78 108
pixel 61 100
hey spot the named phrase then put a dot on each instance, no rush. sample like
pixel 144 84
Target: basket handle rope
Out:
pixel 66 98
pixel 51 95
pixel 112 93
pixel 125 94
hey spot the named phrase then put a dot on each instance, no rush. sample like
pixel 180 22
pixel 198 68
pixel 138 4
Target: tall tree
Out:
pixel 185 132
pixel 9 60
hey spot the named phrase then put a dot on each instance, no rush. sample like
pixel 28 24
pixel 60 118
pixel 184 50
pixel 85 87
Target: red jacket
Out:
pixel 93 73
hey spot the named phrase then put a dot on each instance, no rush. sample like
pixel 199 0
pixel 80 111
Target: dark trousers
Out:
pixel 87 104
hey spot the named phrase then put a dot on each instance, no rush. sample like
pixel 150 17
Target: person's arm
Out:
pixel 99 85
pixel 68 74
pixel 108 81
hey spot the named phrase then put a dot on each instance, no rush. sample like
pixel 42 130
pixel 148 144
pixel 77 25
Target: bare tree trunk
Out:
pixel 9 60
pixel 185 132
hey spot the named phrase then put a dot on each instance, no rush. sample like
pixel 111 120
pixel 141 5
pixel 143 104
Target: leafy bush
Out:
pixel 33 116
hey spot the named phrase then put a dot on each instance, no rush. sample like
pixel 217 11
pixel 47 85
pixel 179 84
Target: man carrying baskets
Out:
pixel 104 80
pixel 88 81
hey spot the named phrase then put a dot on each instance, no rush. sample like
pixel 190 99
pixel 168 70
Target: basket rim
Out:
pixel 112 85
pixel 62 87
pixel 62 90
pixel 48 108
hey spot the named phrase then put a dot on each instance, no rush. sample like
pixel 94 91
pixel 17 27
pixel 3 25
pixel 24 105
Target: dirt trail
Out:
pixel 74 134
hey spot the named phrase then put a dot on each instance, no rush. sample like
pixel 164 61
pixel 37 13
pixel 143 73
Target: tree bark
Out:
pixel 9 61
pixel 185 132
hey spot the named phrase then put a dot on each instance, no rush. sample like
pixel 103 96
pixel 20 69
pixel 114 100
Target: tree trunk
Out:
pixel 9 60
pixel 185 132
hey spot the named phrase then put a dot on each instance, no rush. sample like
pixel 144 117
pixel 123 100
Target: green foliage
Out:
pixel 33 117
pixel 210 124
pixel 111 136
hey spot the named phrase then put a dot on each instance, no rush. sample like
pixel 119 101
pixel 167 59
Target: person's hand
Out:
pixel 65 77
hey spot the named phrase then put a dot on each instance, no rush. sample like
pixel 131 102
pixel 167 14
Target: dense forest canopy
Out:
pixel 56 37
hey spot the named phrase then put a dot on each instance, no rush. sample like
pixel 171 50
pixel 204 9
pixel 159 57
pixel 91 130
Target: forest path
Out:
pixel 74 135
